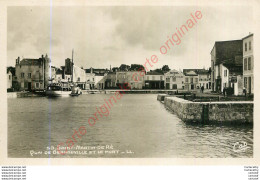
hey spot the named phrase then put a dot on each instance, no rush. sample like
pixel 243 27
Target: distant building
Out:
pixel 248 63
pixel 90 78
pixel 110 80
pixel 78 77
pixel 9 79
pixel 226 61
pixel 174 80
pixel 59 75
pixel 203 77
pixel 154 80
pixel 191 79
pixel 33 74
pixel 133 78
pixel 99 81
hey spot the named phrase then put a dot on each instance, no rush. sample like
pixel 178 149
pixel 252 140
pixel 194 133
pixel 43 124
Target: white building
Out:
pixel 248 63
pixel 174 80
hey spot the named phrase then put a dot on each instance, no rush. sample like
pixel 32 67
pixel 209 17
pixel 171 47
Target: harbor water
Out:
pixel 137 126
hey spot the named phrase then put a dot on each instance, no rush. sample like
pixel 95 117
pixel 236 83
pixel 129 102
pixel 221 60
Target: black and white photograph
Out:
pixel 114 81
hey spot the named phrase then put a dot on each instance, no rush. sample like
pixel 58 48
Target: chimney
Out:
pixel 42 56
pixel 18 60
pixel 91 70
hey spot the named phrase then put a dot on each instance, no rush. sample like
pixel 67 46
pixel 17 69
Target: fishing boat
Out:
pixel 58 90
pixel 63 89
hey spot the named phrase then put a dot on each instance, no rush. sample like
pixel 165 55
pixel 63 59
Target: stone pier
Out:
pixel 207 112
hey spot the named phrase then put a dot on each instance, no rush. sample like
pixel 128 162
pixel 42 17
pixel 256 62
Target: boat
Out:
pixel 75 91
pixel 63 89
pixel 58 90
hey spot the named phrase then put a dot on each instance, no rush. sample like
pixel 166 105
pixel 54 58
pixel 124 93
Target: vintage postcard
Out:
pixel 129 83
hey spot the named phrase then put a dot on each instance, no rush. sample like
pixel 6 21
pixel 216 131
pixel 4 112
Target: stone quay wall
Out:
pixel 207 112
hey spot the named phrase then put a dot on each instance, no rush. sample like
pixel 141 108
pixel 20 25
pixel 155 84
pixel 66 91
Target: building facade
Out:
pixel 248 63
pixel 226 61
pixel 154 80
pixel 174 80
pixel 33 74
pixel 133 78
pixel 191 80
pixel 110 80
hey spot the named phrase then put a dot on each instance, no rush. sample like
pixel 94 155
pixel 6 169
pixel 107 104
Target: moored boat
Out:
pixel 58 90
pixel 75 91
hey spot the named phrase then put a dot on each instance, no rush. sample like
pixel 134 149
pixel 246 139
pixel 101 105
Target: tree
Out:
pixel 158 70
pixel 165 68
pixel 136 67
pixel 11 69
pixel 124 67
pixel 115 69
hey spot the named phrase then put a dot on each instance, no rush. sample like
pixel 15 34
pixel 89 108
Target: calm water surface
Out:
pixel 137 126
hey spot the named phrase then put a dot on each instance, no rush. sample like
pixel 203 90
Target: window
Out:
pixel 249 48
pixel 245 82
pixel 245 64
pixel 249 63
pixel 22 75
pixel 167 79
pixel 191 80
pixel 174 79
pixel 29 75
pixel 225 84
pixel 78 79
pixel 186 80
pixel 196 80
pixel 147 77
pixel 225 74
pixel 9 77
pixel 37 85
pixel 245 46
pixel 161 78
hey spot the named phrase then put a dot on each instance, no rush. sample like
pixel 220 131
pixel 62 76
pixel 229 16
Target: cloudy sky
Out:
pixel 104 36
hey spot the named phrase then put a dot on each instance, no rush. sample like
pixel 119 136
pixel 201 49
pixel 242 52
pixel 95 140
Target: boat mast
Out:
pixel 72 67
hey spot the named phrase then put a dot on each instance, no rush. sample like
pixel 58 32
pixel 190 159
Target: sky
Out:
pixel 113 35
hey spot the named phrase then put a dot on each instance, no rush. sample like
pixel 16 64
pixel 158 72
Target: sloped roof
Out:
pixel 33 62
pixel 236 62
pixel 59 71
pixel 154 73
pixel 248 36
pixel 191 73
pixel 197 71
pixel 228 50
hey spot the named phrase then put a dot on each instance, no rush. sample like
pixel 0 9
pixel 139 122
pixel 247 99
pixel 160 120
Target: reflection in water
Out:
pixel 137 125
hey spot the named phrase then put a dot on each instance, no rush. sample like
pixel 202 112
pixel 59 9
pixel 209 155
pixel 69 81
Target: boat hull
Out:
pixel 58 93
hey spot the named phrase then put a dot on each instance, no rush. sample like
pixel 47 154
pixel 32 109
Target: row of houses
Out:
pixel 36 74
pixel 232 65
pixel 189 79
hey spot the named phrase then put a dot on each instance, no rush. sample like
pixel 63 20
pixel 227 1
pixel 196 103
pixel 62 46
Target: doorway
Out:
pixel 29 86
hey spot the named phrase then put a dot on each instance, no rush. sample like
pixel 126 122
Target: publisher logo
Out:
pixel 240 147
